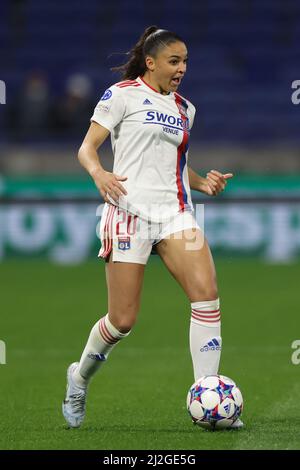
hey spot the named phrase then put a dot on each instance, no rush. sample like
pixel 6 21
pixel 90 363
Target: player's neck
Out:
pixel 151 82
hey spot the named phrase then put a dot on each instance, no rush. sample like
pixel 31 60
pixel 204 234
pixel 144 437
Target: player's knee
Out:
pixel 124 325
pixel 211 294
pixel 202 293
pixel 124 320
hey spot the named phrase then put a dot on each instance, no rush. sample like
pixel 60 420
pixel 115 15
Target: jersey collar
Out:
pixel 151 89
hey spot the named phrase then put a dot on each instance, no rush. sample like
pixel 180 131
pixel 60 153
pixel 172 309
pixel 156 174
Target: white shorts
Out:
pixel 131 239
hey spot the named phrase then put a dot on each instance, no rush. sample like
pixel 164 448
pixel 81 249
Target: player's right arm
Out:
pixel 106 182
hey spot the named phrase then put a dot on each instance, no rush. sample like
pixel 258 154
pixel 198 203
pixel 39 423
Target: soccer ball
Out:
pixel 214 402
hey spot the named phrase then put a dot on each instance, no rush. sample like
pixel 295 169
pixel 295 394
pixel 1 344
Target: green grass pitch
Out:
pixel 137 400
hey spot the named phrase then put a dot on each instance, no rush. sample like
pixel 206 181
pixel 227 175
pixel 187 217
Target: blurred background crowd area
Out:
pixel 244 56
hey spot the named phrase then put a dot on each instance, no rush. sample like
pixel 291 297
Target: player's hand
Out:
pixel 109 185
pixel 216 182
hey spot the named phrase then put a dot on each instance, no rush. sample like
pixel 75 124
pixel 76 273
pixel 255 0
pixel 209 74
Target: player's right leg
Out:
pixel 124 282
pixel 125 266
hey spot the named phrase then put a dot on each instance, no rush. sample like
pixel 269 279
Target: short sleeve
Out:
pixel 110 109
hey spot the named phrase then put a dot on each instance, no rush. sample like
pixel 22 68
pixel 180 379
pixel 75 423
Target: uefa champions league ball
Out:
pixel 214 402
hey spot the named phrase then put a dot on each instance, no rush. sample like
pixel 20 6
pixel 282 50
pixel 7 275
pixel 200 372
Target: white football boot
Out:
pixel 73 406
pixel 237 424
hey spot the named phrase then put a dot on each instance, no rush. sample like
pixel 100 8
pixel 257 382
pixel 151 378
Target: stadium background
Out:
pixel 55 62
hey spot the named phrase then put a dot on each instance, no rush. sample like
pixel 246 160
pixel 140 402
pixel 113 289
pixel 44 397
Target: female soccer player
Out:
pixel 148 205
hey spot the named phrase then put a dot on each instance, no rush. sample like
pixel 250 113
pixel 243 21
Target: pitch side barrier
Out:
pixel 65 229
pixel 54 200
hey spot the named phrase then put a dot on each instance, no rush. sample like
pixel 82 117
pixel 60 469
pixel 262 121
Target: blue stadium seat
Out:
pixel 243 56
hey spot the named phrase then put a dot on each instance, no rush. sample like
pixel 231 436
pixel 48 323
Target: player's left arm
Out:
pixel 214 183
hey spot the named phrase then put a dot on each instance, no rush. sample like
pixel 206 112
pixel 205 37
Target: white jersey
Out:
pixel 149 135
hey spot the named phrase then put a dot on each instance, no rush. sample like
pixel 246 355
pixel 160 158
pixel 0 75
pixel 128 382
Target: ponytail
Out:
pixel 149 43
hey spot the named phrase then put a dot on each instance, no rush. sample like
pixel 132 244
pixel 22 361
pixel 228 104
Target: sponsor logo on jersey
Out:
pixel 155 117
pixel 124 243
pixel 147 101
pixel 169 130
pixel 106 95
pixel 103 107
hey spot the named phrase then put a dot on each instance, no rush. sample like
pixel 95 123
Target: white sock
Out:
pixel 103 338
pixel 205 337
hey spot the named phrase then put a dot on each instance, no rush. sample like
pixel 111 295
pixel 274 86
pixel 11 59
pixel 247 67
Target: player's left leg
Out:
pixel 187 256
pixel 189 260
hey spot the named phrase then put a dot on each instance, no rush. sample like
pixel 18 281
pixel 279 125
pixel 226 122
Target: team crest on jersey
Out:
pixel 124 243
pixel 106 95
pixel 182 107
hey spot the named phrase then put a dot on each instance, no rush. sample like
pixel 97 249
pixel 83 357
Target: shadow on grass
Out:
pixel 146 430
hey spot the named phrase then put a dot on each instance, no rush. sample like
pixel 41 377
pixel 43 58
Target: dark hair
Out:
pixel 149 43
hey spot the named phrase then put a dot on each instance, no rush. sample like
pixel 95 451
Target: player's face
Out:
pixel 169 67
